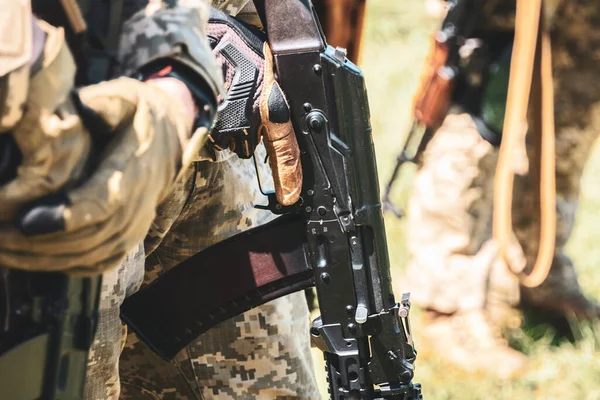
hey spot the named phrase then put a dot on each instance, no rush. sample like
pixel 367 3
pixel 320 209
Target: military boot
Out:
pixel 470 342
pixel 560 293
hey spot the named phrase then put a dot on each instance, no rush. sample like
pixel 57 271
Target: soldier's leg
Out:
pixel 577 99
pixel 449 221
pixel 262 354
pixel 102 379
pixel 453 272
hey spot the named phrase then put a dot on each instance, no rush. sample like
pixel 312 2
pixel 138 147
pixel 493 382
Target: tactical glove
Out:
pixel 91 227
pixel 109 153
pixel 49 137
pixel 255 105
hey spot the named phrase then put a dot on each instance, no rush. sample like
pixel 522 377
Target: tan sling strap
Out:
pixel 74 15
pixel 530 73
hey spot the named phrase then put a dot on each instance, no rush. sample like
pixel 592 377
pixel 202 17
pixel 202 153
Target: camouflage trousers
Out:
pixel 449 220
pixel 262 354
pixel 453 264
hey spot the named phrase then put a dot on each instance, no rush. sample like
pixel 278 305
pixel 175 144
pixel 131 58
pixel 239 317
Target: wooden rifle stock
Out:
pixel 430 106
pixel 432 99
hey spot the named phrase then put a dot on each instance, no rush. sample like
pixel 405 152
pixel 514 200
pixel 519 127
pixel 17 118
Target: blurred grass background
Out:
pixel 394 48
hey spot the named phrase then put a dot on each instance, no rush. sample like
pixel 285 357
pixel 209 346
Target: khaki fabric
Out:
pixel 468 340
pixel 262 354
pixel 50 135
pixel 452 257
pixel 15 52
pixel 451 204
pixel 102 379
pixel 234 7
pixel 151 140
pixel 15 35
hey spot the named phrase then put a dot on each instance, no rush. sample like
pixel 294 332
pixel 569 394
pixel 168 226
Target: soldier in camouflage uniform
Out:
pixel 454 270
pixel 262 354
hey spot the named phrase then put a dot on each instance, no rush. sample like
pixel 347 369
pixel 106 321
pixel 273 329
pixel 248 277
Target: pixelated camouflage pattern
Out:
pixel 451 204
pixel 170 29
pixel 228 187
pixel 168 211
pixel 102 377
pixel 231 7
pixel 263 354
pixel 256 355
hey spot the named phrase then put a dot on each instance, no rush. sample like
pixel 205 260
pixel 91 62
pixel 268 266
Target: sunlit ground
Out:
pixel 395 46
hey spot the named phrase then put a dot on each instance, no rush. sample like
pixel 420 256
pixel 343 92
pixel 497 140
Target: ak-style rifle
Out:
pixel 333 238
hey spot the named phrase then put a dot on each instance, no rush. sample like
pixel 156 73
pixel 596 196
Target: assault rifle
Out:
pixel 333 238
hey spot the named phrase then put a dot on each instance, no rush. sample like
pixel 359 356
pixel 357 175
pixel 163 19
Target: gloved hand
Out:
pixel 137 136
pixel 255 106
pixel 49 136
pixel 91 227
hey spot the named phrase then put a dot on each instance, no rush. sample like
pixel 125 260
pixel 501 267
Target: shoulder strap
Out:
pixel 530 74
pixel 305 35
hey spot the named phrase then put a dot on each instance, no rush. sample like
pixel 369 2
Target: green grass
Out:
pixel 396 43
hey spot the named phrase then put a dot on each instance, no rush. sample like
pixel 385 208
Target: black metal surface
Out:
pixel 367 353
pixel 363 332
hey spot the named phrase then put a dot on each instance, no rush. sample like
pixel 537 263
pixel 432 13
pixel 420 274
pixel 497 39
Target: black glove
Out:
pixel 255 106
pixel 238 48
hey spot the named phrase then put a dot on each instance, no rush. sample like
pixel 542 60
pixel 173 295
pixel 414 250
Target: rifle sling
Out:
pixel 218 283
pixel 530 74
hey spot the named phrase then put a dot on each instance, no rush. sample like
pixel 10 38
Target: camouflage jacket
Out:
pixel 146 36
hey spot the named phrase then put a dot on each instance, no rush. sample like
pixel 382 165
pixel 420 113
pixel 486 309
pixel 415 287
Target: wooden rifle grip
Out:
pixel 432 99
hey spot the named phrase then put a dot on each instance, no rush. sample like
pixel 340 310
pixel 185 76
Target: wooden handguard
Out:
pixel 432 99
